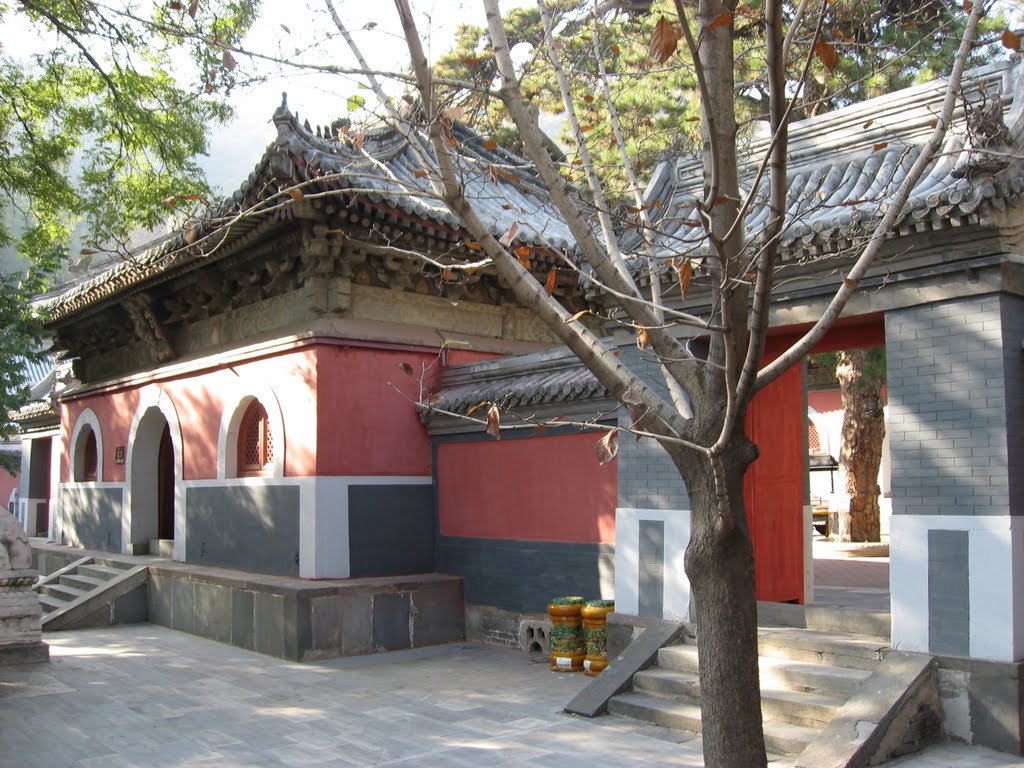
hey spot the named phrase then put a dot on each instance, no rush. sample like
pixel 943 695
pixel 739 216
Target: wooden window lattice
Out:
pixel 255 442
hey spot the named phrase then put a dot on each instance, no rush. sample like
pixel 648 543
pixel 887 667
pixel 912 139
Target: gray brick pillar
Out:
pixel 652 519
pixel 956 431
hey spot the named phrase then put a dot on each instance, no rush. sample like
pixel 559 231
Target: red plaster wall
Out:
pixel 823 400
pixel 368 424
pixel 199 401
pixel 115 412
pixel 538 488
pixel 7 484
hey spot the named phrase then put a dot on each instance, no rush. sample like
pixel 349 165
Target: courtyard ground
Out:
pixel 142 695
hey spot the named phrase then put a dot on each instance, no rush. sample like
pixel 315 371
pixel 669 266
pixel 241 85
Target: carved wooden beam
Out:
pixel 147 327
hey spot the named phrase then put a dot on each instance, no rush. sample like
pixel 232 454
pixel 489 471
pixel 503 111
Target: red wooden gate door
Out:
pixel 774 487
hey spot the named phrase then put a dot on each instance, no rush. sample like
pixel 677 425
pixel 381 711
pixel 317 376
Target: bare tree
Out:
pixel 701 422
pixel 702 430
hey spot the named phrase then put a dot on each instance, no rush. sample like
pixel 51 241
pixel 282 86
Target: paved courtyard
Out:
pixel 143 695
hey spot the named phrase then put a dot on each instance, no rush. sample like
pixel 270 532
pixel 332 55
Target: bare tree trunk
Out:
pixel 720 566
pixel 863 432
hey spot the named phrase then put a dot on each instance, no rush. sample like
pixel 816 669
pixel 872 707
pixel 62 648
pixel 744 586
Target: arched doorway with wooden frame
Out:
pixel 154 517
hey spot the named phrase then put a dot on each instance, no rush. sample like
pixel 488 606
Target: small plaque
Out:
pixel 119 454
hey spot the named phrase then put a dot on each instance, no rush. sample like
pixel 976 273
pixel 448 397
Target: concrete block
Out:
pixel 213 611
pixel 268 611
pixel 182 605
pixel 391 621
pixel 996 703
pixel 438 615
pixel 243 619
pixel 327 622
pixel 357 625
pixel 159 596
pixel 132 607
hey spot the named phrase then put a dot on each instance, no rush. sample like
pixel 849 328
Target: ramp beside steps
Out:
pixel 93 592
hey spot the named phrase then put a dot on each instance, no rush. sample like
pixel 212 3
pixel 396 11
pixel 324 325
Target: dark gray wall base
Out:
pixel 255 527
pixel 521 576
pixel 92 517
pixel 495 626
pixel 390 529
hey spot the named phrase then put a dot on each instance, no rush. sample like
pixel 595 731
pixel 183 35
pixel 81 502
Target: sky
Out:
pixel 286 26
pixel 295 30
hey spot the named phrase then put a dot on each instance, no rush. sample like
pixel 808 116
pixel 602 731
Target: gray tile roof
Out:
pixel 846 165
pixel 523 382
pixel 382 170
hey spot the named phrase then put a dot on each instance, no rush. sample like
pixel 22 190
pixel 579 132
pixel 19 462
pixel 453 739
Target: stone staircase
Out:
pixel 88 592
pixel 806 677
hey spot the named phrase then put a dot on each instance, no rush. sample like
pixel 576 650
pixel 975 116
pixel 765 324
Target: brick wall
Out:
pixel 1013 362
pixel 948 389
pixel 647 478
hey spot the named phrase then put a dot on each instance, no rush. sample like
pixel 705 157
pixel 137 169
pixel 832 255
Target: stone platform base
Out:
pixel 286 617
pixel 24 653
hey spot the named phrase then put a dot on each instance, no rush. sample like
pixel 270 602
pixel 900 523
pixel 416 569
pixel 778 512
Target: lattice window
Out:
pixel 255 442
pixel 90 459
pixel 813 441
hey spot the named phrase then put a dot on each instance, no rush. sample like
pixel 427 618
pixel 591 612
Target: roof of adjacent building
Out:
pixel 521 383
pixel 845 166
pixel 380 168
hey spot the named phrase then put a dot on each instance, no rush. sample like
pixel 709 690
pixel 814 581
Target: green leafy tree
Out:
pixel 96 129
pixel 866 48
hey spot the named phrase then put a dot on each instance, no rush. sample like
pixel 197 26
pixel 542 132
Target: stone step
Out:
pixel 101 572
pixel 778 672
pixel 822 647
pixel 779 737
pixel 61 591
pixel 834 680
pixel 49 603
pixel 80 581
pixel 813 710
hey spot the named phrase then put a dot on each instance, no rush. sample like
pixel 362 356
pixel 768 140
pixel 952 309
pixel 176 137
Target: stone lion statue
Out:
pixel 15 553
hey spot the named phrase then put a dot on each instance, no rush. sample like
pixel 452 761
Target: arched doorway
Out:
pixel 153 471
pixel 165 487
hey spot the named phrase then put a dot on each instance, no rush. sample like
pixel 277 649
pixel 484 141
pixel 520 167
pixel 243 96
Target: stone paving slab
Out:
pixel 143 695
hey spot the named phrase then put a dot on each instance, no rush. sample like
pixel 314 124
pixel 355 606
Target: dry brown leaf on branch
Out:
pixel 228 60
pixel 295 194
pixel 634 407
pixel 685 277
pixel 826 53
pixel 643 338
pixel 577 316
pixel 494 422
pixel 1011 40
pixel 664 40
pixel 719 21
pixel 549 286
pixel 406 369
pixel 607 447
